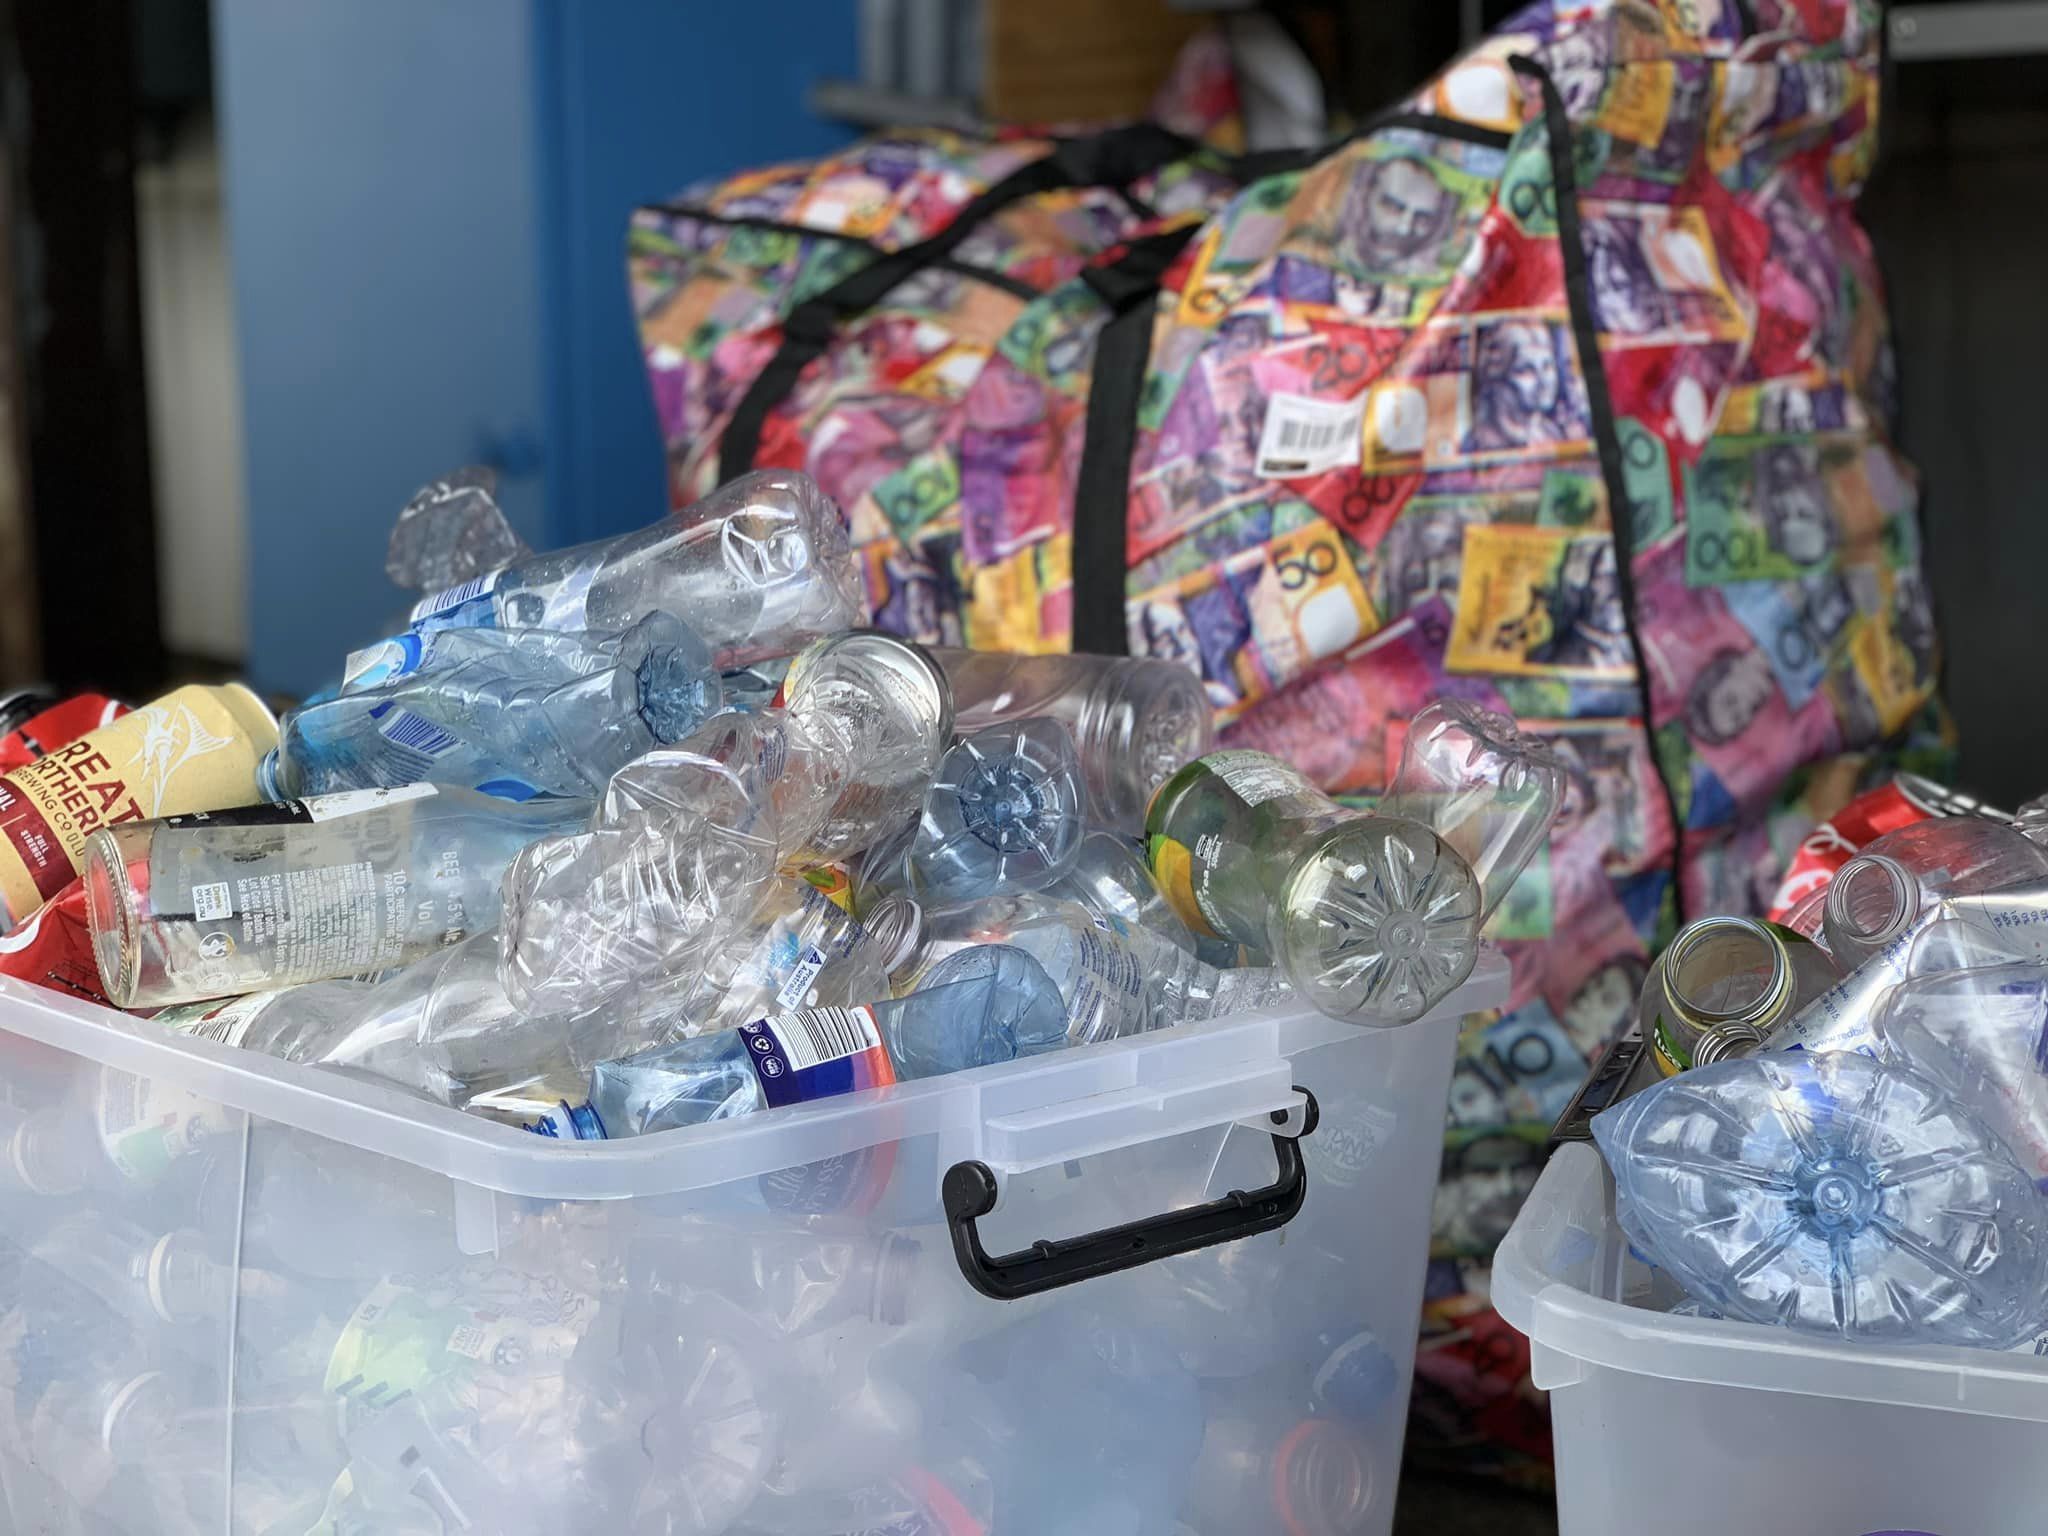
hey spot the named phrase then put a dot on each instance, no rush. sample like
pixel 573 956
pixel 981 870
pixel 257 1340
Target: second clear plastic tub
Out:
pixel 1693 1426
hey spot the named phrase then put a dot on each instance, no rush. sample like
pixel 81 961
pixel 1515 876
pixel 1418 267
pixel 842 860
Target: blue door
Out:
pixel 427 206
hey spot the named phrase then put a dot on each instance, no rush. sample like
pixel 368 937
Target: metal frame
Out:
pixel 1982 29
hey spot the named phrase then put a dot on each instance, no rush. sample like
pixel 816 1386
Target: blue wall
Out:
pixel 427 205
pixel 380 216
pixel 645 97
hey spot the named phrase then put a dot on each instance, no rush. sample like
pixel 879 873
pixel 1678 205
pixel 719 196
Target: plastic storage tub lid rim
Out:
pixel 1066 1104
pixel 1557 1271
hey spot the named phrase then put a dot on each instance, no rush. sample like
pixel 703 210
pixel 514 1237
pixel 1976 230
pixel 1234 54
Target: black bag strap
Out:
pixel 1123 353
pixel 1113 158
pixel 1129 287
pixel 1557 131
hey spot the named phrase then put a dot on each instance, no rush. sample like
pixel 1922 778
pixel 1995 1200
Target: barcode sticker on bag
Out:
pixel 1305 436
pixel 815 1053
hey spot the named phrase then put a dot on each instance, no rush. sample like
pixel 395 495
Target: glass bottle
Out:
pixel 229 902
pixel 1375 919
pixel 1722 985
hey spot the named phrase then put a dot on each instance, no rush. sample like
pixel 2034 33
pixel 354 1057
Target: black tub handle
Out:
pixel 969 1192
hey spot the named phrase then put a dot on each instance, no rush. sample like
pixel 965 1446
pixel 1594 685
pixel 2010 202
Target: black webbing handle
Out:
pixel 1102 484
pixel 1111 159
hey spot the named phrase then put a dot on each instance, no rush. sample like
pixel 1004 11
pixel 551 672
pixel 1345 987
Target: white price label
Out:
pixel 809 1036
pixel 353 802
pixel 1305 436
pixel 1253 777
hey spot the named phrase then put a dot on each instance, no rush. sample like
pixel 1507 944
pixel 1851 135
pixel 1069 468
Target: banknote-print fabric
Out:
pixel 1564 387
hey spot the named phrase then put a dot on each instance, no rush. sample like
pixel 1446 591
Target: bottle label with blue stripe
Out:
pixel 816 1053
pixel 472 605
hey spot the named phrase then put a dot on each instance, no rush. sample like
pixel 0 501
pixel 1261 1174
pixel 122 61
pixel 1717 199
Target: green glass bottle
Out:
pixel 1375 919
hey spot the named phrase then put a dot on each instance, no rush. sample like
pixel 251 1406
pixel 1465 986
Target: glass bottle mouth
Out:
pixel 1725 1042
pixel 1727 971
pixel 1872 900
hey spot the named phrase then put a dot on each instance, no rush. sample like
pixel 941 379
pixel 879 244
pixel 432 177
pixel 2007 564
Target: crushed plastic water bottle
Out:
pixel 888 707
pixel 1979 1034
pixel 1111 880
pixel 1134 720
pixel 1486 789
pixel 1103 1398
pixel 1115 978
pixel 685 839
pixel 800 950
pixel 760 568
pixel 975 1009
pixel 1894 883
pixel 1004 812
pixel 444 1027
pixel 512 712
pixel 301 1023
pixel 1834 1193
pixel 450 532
pixel 1962 930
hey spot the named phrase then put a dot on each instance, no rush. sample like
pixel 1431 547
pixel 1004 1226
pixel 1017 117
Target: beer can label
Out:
pixel 190 750
pixel 52 947
pixel 57 726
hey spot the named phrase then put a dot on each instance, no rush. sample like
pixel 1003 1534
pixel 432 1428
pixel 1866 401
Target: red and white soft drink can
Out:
pixel 1899 803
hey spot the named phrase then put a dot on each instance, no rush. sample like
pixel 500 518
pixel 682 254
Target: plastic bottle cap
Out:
pixel 1322 1481
pixel 135 1416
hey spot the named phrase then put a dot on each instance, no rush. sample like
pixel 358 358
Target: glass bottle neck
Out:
pixel 1725 971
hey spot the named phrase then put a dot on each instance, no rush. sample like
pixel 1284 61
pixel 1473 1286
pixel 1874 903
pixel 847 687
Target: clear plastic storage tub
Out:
pixel 238 1295
pixel 1688 1426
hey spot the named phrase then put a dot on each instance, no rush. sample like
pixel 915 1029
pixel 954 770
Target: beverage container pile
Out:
pixel 651 822
pixel 1848 1128
pixel 634 837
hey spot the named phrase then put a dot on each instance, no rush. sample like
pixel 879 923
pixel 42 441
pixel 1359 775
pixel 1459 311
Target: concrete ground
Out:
pixel 1442 1506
